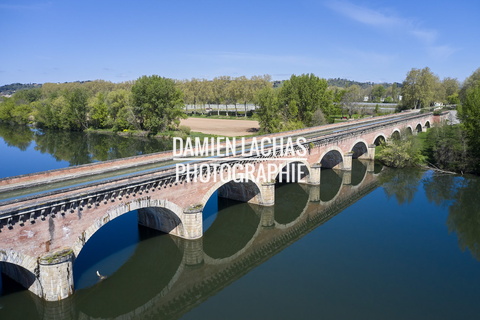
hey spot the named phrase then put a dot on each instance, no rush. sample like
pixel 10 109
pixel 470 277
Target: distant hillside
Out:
pixel 12 88
pixel 337 82
pixel 345 83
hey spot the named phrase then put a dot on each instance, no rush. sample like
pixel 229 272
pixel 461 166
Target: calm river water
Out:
pixel 373 244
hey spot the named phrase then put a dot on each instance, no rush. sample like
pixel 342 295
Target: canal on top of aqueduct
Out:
pixel 381 244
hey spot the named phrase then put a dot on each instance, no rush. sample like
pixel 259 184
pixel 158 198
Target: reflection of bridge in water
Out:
pixel 242 237
pixel 42 233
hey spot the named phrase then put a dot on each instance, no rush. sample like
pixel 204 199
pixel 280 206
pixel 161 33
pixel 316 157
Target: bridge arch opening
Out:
pixel 112 239
pixel 332 159
pixel 359 149
pixel 293 172
pixel 16 274
pixel 395 135
pixel 245 191
pixel 102 250
pixel 379 140
pixel 408 131
pixel 160 215
pixel 427 125
pixel 236 189
pixel 14 278
pixel 418 128
pixel 149 267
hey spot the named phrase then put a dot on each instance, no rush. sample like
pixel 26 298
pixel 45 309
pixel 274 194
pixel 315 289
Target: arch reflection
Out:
pixel 234 227
pixel 290 201
pixel 330 184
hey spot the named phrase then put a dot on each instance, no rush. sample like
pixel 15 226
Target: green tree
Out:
pixel 120 110
pixel 378 92
pixel 74 112
pixel 98 110
pixel 351 96
pixel 419 88
pixel 307 93
pixel 26 96
pixel 6 108
pixel 394 91
pixel 469 114
pixel 48 112
pixel 220 91
pixel 401 153
pixel 268 111
pixel 446 147
pixel 234 92
pixel 157 103
pixel 205 93
pixel 337 93
pixel 451 87
pixel 469 82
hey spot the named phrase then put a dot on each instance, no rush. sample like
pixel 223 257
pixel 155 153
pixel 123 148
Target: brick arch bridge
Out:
pixel 198 275
pixel 41 234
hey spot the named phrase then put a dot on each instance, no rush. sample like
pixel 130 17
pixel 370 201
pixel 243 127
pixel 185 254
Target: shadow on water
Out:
pixel 359 171
pixel 290 201
pixel 330 184
pixel 234 226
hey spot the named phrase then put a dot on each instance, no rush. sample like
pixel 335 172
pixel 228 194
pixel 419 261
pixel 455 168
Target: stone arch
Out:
pixel 21 268
pixel 409 130
pixel 287 171
pixel 331 158
pixel 379 138
pixel 163 215
pixel 418 128
pixel 427 124
pixel 359 148
pixel 395 134
pixel 246 191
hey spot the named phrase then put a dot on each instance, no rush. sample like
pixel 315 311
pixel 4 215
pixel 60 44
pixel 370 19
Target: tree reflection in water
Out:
pixel 461 195
pixel 16 136
pixel 81 147
pixel 402 184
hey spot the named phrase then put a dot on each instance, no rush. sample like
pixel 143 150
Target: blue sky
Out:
pixel 64 40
